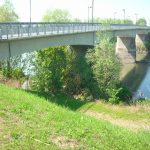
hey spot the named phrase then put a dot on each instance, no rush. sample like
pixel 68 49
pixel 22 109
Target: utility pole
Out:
pixel 89 13
pixel 124 15
pixel 92 12
pixel 136 18
pixel 115 16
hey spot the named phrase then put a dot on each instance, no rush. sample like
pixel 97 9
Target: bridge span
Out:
pixel 20 37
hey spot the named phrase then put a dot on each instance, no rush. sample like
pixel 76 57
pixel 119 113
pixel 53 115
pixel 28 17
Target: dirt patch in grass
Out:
pixel 2 125
pixel 64 142
pixel 4 136
pixel 134 125
pixel 10 82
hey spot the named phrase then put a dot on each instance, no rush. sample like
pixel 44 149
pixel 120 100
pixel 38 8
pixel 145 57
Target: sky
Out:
pixel 79 8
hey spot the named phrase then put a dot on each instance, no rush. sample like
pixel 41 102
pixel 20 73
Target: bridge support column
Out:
pixel 126 49
pixel 141 40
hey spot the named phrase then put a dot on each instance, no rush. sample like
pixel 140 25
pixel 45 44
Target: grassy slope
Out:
pixel 30 122
pixel 139 112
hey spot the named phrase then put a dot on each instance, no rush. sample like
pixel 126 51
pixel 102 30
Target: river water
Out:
pixel 137 78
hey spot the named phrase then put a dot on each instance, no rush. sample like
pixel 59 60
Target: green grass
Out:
pixel 137 112
pixel 29 121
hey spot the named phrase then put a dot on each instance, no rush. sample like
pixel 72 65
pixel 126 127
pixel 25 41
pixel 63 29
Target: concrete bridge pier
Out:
pixel 141 40
pixel 126 49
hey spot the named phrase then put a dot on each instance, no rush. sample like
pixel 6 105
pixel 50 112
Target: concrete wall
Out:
pixel 126 49
pixel 141 40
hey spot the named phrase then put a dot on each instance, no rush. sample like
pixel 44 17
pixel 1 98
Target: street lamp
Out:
pixel 92 11
pixel 89 13
pixel 30 11
pixel 136 18
pixel 115 16
pixel 124 14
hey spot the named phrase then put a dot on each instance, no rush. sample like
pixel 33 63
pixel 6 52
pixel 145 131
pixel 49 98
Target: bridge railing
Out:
pixel 26 29
pixel 20 30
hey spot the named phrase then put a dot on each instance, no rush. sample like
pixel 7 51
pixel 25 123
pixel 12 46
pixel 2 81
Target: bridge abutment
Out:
pixel 141 41
pixel 126 49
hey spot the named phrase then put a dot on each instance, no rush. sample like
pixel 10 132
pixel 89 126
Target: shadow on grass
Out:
pixel 62 100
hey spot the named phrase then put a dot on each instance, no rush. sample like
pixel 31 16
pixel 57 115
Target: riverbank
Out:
pixel 134 117
pixel 35 121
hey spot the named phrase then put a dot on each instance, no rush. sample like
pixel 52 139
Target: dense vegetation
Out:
pixel 88 73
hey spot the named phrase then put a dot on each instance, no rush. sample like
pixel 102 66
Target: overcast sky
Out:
pixel 79 8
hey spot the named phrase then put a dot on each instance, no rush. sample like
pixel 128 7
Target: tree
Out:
pixel 8 13
pixel 113 21
pixel 56 15
pixel 128 21
pixel 76 20
pixel 50 64
pixel 141 22
pixel 104 63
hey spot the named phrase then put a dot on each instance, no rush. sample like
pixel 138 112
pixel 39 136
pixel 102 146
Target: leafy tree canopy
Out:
pixel 7 12
pixel 57 15
pixel 113 21
pixel 141 22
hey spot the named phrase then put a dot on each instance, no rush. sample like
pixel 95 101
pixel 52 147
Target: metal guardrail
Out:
pixel 20 30
pixel 11 30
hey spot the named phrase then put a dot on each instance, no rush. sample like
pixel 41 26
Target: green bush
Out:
pixel 124 94
pixel 18 73
pixel 113 95
pixel 7 72
pixel 119 94
pixel 50 65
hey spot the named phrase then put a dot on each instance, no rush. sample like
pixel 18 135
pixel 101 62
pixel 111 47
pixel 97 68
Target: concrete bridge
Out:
pixel 19 38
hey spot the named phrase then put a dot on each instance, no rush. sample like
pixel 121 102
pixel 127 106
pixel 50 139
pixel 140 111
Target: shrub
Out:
pixel 18 73
pixel 50 64
pixel 119 94
pixel 113 95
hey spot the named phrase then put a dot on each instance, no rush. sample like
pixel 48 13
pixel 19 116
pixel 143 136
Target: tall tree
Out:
pixel 102 60
pixel 141 22
pixel 7 12
pixel 57 15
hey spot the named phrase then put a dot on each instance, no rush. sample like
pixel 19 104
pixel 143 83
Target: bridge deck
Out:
pixel 18 30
